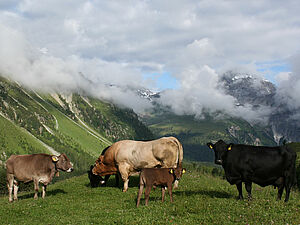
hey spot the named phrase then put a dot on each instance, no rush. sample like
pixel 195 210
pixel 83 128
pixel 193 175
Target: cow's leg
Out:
pixel 16 187
pixel 176 184
pixel 170 192
pixel 124 171
pixel 44 190
pixel 288 186
pixel 139 195
pixel 239 187
pixel 36 188
pixel 10 182
pixel 147 193
pixel 280 191
pixel 163 190
pixel 248 186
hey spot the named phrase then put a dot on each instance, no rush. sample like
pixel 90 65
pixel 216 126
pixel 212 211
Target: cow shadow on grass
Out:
pixel 211 194
pixel 48 193
pixel 133 182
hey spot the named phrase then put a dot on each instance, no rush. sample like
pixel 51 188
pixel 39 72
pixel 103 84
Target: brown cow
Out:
pixel 163 177
pixel 129 157
pixel 36 168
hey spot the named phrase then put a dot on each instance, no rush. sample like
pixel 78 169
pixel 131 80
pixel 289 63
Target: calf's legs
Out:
pixel 170 192
pixel 147 193
pixel 163 190
pixel 139 195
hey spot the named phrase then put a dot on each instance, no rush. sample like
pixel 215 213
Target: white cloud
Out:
pixel 289 85
pixel 117 41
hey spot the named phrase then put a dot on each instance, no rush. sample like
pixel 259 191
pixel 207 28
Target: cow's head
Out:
pixel 94 179
pixel 63 163
pixel 101 168
pixel 220 148
pixel 177 172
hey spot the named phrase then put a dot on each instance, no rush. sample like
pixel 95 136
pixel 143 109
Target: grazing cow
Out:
pixel 261 165
pixel 96 179
pixel 163 177
pixel 129 157
pixel 36 168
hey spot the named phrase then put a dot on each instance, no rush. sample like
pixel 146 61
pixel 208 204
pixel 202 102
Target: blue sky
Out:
pixel 272 69
pixel 163 81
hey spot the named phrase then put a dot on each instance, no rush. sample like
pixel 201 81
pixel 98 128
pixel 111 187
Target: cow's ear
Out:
pixel 54 158
pixel 171 171
pixel 229 147
pixel 183 170
pixel 210 145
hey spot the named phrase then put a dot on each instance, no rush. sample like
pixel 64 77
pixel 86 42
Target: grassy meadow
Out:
pixel 200 199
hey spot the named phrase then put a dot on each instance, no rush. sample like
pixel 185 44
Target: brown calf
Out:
pixel 163 177
pixel 37 168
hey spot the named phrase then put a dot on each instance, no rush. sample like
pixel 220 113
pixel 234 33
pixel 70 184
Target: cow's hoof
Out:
pixel 124 190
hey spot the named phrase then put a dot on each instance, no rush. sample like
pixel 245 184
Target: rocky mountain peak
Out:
pixel 248 89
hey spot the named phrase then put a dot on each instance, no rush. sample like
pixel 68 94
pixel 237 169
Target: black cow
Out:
pixel 261 165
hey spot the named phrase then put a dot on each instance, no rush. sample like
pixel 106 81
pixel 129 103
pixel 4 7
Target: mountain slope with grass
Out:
pixel 194 133
pixel 74 124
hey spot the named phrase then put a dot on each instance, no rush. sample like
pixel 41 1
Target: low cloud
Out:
pixel 40 71
pixel 89 46
pixel 289 85
pixel 200 92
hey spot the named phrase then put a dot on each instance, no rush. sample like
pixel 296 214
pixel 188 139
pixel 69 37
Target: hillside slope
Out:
pixel 73 124
pixel 195 133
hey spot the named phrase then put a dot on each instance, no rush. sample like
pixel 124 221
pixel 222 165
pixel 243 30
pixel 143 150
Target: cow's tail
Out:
pixel 291 165
pixel 180 158
pixel 180 152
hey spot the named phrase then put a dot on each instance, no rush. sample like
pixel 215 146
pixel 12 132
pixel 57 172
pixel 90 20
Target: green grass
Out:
pixel 69 128
pixel 15 140
pixel 200 199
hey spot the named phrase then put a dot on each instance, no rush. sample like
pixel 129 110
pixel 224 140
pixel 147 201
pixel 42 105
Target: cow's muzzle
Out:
pixel 219 162
pixel 70 169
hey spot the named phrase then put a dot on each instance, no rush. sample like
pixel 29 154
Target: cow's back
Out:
pixel 264 165
pixel 165 152
pixel 25 167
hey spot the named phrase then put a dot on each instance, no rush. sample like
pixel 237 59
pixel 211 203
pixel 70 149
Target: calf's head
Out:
pixel 220 149
pixel 177 172
pixel 63 163
pixel 102 169
pixel 94 179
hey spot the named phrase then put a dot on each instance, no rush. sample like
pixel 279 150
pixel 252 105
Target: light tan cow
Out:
pixel 128 157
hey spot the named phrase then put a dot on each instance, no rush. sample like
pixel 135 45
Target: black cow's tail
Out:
pixel 292 164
